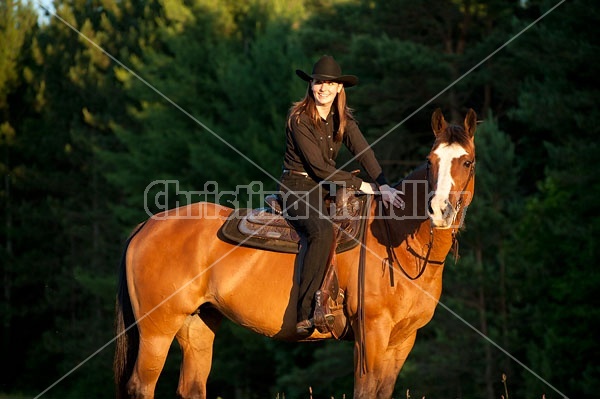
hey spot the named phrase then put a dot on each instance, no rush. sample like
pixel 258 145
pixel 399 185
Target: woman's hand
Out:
pixel 367 188
pixel 390 195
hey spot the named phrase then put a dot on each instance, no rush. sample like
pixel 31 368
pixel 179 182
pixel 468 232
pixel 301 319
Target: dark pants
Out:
pixel 312 222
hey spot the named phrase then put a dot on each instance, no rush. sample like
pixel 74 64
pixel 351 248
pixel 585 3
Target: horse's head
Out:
pixel 451 169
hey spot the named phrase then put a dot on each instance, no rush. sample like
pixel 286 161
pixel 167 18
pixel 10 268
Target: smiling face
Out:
pixel 324 92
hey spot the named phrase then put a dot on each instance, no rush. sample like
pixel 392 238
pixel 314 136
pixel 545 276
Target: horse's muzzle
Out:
pixel 441 212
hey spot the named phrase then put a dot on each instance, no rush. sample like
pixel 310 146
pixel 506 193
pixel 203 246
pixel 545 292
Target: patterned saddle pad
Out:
pixel 263 228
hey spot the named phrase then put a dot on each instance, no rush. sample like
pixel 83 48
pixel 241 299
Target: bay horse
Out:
pixel 178 279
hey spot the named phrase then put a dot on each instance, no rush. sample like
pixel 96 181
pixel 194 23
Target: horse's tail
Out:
pixel 126 331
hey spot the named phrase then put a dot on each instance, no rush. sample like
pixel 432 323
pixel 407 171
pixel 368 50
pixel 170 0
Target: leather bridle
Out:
pixel 392 257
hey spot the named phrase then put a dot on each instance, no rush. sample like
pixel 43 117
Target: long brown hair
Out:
pixel 308 105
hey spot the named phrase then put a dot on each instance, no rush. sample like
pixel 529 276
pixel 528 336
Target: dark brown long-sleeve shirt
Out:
pixel 314 151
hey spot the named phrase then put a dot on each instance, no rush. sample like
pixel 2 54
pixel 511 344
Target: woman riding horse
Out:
pixel 316 128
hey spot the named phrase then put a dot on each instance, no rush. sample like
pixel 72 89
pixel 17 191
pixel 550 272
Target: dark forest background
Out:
pixel 81 137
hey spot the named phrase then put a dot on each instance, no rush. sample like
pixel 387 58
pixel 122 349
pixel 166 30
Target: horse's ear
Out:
pixel 471 122
pixel 438 123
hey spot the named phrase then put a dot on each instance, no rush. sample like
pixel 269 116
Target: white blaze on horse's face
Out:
pixel 441 209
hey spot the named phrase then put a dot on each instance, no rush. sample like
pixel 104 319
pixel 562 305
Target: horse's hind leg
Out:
pixel 152 353
pixel 196 338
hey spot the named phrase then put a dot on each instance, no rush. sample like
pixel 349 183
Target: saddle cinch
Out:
pixel 266 228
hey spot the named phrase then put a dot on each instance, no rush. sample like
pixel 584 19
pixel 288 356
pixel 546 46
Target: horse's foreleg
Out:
pixel 385 359
pixel 196 338
pixel 394 360
pixel 373 345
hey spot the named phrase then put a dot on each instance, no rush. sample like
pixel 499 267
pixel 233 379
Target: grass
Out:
pixel 503 396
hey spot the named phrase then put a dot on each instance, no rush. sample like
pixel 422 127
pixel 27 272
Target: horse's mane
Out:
pixel 454 134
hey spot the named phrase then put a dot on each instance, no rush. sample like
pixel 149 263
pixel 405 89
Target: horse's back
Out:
pixel 165 259
pixel 179 254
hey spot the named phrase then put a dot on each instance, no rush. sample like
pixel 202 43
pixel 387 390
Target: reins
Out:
pixel 392 257
pixel 362 354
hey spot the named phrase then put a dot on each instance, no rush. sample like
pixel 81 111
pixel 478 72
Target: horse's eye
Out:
pixel 468 164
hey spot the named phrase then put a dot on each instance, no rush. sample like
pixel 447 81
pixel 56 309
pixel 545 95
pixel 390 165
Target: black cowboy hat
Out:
pixel 328 70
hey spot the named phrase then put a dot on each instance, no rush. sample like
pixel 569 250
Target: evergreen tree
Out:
pixel 64 244
pixel 406 55
pixel 229 93
pixel 17 103
pixel 557 95
pixel 555 256
pixel 554 249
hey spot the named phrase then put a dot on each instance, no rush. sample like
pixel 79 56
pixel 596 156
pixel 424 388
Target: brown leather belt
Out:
pixel 294 172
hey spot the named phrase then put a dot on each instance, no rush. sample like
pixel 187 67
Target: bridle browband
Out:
pixel 392 257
